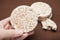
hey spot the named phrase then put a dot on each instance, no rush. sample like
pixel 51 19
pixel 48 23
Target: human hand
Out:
pixel 7 32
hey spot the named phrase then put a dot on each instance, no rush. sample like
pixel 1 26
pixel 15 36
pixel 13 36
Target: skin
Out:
pixel 9 33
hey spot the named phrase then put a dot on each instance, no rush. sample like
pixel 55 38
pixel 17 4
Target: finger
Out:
pixel 25 35
pixel 10 33
pixel 31 33
pixel 4 21
pixel 8 26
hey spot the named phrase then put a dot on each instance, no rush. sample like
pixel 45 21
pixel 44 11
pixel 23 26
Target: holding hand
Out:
pixel 11 33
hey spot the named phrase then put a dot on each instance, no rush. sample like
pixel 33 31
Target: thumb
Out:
pixel 4 21
pixel 10 33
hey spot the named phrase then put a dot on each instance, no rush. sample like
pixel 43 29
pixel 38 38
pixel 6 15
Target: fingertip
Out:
pixel 31 33
pixel 25 35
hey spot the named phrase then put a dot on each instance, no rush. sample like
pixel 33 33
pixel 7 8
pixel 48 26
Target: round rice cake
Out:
pixel 23 18
pixel 42 9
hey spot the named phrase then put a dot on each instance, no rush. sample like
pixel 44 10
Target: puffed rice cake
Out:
pixel 23 18
pixel 42 9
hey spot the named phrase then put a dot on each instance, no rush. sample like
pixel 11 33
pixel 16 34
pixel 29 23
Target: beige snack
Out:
pixel 49 24
pixel 44 12
pixel 42 9
pixel 23 18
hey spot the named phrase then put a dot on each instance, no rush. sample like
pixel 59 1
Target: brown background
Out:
pixel 6 7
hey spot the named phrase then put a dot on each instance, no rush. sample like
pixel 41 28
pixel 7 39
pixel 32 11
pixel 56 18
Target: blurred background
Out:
pixel 6 7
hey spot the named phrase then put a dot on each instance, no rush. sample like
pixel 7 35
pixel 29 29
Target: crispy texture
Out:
pixel 42 9
pixel 23 18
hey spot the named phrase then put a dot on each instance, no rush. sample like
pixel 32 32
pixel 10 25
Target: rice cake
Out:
pixel 42 9
pixel 23 18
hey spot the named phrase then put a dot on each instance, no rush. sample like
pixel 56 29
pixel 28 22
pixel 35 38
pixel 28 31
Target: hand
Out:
pixel 8 32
